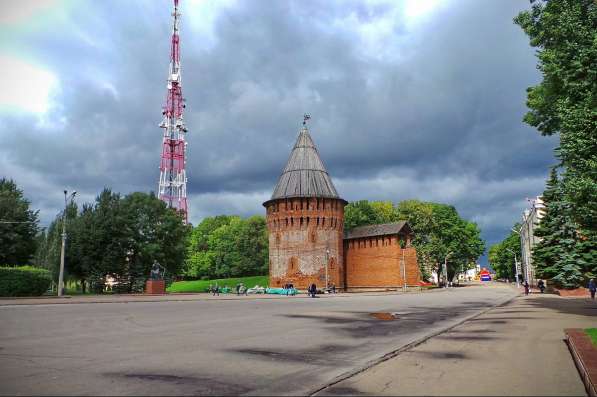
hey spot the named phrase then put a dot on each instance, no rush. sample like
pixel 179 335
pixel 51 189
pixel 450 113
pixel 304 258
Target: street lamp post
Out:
pixel 63 248
pixel 446 268
pixel 403 264
pixel 522 257
pixel 327 262
pixel 515 267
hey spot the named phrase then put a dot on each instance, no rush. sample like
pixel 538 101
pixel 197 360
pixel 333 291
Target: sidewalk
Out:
pixel 517 349
pixel 179 297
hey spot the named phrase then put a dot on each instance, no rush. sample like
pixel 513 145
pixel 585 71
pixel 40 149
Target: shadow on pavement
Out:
pixel 195 385
pixel 466 337
pixel 441 355
pixel 329 355
pixel 578 306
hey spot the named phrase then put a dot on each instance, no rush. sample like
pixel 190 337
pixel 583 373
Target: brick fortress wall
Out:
pixel 374 262
pixel 300 231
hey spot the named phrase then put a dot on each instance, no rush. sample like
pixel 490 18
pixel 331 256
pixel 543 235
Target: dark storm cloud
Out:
pixel 431 110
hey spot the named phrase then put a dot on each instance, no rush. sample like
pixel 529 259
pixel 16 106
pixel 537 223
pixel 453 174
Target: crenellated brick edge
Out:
pixel 584 355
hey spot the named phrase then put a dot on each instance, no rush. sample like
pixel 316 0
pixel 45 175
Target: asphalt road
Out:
pixel 290 345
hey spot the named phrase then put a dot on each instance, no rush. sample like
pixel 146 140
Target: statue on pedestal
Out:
pixel 157 271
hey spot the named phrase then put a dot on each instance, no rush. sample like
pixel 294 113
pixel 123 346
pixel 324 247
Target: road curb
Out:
pixel 395 353
pixel 585 358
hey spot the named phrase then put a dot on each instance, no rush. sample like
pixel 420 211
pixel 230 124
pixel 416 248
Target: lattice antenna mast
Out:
pixel 173 180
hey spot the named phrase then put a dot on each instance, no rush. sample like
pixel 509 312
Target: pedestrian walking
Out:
pixel 592 288
pixel 238 289
pixel 312 290
pixel 216 290
pixel 541 285
pixel 526 287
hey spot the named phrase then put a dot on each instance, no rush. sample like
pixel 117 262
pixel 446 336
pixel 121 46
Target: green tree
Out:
pixel 455 239
pixel 565 102
pixel 548 251
pixel 117 236
pixel 360 213
pixel 560 255
pixel 199 236
pixel 18 226
pixel 153 232
pixel 200 261
pixel 228 246
pixel 502 255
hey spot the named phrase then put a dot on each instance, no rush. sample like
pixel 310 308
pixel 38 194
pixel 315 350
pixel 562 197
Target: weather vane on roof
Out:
pixel 305 118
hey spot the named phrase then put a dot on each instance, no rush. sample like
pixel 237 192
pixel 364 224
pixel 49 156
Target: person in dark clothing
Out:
pixel 541 285
pixel 526 288
pixel 312 290
pixel 238 289
pixel 592 288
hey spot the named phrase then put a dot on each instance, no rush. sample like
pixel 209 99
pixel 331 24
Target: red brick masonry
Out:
pixel 585 357
pixel 155 287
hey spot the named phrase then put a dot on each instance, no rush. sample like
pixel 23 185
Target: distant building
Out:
pixel 530 220
pixel 468 275
pixel 305 221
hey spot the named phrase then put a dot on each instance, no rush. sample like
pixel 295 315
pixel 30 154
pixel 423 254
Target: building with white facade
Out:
pixel 530 220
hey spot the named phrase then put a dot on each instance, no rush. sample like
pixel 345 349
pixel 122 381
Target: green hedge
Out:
pixel 24 281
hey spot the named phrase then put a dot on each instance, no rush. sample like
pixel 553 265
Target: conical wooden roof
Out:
pixel 304 174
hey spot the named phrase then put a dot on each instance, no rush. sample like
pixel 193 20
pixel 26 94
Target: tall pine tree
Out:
pixel 556 256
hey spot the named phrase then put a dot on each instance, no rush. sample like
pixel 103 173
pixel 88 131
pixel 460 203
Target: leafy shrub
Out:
pixel 24 281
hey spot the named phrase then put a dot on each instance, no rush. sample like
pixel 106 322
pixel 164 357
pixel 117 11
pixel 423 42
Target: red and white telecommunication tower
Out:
pixel 173 179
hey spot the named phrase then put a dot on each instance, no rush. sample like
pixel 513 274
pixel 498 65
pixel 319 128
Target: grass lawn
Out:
pixel 592 332
pixel 202 285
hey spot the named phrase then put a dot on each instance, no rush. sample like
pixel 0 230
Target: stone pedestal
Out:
pixel 155 287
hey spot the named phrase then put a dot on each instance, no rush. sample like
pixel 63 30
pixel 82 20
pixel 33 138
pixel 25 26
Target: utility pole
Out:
pixel 63 248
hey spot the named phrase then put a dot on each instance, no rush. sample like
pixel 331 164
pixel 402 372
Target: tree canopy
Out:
pixel 18 226
pixel 502 255
pixel 117 236
pixel 227 246
pixel 564 103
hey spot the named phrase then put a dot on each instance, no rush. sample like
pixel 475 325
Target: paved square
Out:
pixel 212 346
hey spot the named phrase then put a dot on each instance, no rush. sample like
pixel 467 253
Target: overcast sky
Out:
pixel 409 99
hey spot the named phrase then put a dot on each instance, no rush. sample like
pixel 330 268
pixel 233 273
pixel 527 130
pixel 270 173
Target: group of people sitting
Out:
pixel 241 289
pixel 312 290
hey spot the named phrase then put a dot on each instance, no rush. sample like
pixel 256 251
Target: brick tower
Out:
pixel 305 221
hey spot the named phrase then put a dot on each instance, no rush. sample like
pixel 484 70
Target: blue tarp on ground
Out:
pixel 281 291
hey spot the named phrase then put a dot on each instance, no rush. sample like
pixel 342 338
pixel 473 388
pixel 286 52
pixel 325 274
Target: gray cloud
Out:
pixel 431 111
